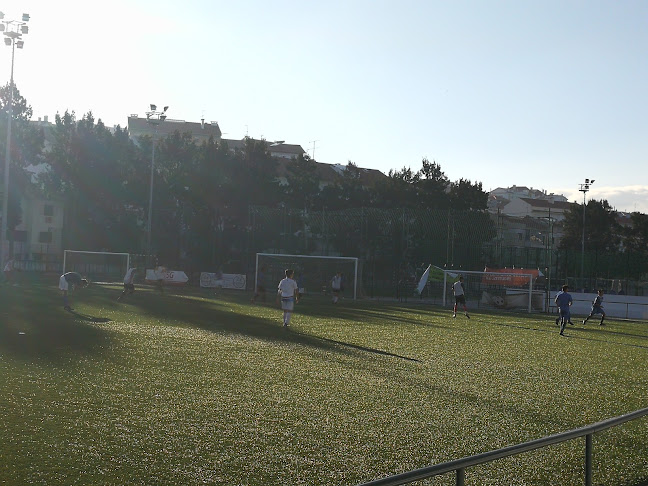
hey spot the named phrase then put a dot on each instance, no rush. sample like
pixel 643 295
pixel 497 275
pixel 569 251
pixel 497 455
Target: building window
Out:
pixel 48 210
pixel 45 237
pixel 20 236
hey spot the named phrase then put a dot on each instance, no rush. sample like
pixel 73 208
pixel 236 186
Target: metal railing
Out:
pixel 460 465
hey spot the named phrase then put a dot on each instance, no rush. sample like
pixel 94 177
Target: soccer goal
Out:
pixel 313 273
pixel 97 265
pixel 512 290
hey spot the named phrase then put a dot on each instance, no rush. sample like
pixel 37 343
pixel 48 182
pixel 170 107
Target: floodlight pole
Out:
pixel 153 117
pixel 584 188
pixel 13 30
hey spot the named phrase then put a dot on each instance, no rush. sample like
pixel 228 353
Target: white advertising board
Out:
pixel 224 281
pixel 169 277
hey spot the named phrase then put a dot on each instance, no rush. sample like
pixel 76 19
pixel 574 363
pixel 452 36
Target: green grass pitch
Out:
pixel 186 388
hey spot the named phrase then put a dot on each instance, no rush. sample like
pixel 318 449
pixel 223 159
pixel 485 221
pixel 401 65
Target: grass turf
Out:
pixel 185 388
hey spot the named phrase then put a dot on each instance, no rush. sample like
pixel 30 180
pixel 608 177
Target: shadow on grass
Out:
pixel 365 311
pixel 576 333
pixel 217 316
pixel 361 348
pixel 34 325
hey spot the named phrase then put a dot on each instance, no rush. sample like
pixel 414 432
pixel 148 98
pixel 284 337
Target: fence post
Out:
pixel 461 476
pixel 588 460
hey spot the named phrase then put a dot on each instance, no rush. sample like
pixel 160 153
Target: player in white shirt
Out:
pixel 336 285
pixel 288 292
pixel 129 286
pixel 460 297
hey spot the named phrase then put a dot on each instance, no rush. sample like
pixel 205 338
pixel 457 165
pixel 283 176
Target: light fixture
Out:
pixel 153 107
pixel 25 17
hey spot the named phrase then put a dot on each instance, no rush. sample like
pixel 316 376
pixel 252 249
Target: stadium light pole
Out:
pixel 13 31
pixel 154 118
pixel 584 188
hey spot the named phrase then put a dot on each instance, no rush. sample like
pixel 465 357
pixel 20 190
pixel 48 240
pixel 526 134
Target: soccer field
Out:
pixel 185 388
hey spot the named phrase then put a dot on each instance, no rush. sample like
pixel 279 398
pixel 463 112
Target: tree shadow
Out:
pixel 215 315
pixel 363 311
pixel 33 325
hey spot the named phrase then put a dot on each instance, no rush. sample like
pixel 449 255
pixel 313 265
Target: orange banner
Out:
pixel 509 280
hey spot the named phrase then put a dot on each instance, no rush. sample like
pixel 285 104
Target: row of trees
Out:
pixel 203 193
pixel 605 232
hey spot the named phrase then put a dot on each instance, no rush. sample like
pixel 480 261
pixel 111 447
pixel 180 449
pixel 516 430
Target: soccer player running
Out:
pixel 289 295
pixel 67 282
pixel 129 286
pixel 563 301
pixel 460 296
pixel 564 289
pixel 597 308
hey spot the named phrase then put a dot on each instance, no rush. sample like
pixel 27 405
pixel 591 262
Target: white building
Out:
pixel 536 208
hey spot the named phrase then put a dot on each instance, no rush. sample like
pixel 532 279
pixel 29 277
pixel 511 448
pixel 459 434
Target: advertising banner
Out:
pixel 223 280
pixel 168 277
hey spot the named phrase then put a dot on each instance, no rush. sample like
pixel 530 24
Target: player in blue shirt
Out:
pixel 563 301
pixel 564 287
pixel 597 308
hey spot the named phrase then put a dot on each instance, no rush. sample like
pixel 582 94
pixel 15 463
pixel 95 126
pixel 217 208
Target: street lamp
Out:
pixel 153 117
pixel 13 31
pixel 584 188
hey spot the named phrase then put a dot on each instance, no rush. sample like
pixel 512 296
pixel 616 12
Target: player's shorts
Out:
pixel 63 284
pixel 596 309
pixel 460 299
pixel 335 291
pixel 564 312
pixel 130 287
pixel 287 303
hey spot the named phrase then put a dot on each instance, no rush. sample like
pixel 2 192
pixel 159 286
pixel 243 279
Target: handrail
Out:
pixel 460 465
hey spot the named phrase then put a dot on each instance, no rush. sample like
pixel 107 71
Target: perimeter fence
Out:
pixel 396 245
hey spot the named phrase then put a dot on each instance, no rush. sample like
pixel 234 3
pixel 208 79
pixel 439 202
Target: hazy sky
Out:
pixel 540 93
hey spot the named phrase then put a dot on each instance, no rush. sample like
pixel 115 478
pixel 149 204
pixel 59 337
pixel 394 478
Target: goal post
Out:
pixel 313 273
pixel 498 290
pixel 96 264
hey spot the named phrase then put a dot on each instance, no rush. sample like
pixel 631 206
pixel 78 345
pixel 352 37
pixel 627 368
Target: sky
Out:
pixel 542 94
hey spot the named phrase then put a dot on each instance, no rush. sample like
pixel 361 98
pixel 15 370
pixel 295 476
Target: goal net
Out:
pixel 97 265
pixel 313 273
pixel 506 289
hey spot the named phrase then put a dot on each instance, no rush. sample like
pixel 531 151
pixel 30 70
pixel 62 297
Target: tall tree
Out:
pixel 601 229
pixel 431 184
pixel 636 237
pixel 303 183
pixel 396 190
pixel 466 195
